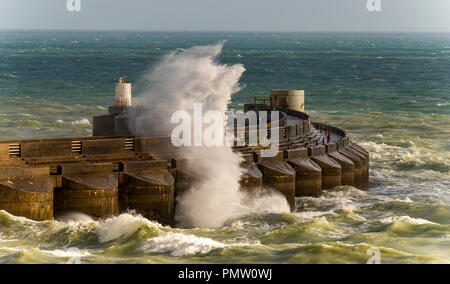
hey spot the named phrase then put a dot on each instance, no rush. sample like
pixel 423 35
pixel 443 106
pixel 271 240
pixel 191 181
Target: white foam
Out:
pixel 408 219
pixel 71 252
pixel 121 226
pixel 83 121
pixel 272 202
pixel 177 244
pixel 75 217
pixel 311 215
pixel 406 200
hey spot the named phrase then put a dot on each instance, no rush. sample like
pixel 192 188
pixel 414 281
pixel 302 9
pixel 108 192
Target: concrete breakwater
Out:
pixel 104 176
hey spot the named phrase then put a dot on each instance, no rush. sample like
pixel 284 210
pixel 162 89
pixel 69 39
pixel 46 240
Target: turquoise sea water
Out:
pixel 390 91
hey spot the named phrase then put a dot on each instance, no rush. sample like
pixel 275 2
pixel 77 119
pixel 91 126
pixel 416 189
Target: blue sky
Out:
pixel 228 15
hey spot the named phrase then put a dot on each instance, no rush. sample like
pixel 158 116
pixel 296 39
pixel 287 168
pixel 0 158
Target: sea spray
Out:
pixel 182 79
pixel 75 217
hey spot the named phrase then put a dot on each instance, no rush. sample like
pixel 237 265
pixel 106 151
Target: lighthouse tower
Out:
pixel 122 117
pixel 123 94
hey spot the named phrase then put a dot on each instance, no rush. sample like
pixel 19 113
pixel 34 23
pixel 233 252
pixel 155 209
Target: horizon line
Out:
pixel 221 31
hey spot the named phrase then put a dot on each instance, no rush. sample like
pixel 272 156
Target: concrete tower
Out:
pixel 291 99
pixel 122 118
pixel 123 94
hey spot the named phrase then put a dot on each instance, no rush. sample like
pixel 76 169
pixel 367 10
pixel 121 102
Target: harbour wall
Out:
pixel 103 176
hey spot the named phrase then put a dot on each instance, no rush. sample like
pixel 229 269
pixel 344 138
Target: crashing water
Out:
pixel 396 106
pixel 180 80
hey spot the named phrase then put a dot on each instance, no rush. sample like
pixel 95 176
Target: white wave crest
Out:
pixel 408 219
pixel 122 226
pixel 83 121
pixel 177 244
pixel 72 218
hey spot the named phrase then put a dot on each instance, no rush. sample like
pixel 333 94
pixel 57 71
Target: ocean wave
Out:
pixel 318 230
pixel 9 76
pixel 408 156
pixel 124 226
pixel 338 252
pixel 177 244
pixel 341 198
pixel 28 123
pixel 83 122
pixel 76 228
pixel 407 219
pixel 409 227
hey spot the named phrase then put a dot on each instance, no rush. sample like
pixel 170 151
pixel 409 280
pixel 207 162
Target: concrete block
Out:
pixel 252 179
pixel 348 168
pixel 295 153
pixel 359 177
pixel 317 151
pixel 103 125
pixel 279 176
pixel 58 149
pixel 331 171
pixel 91 189
pixel 365 168
pixel 27 192
pixel 149 189
pixel 261 159
pixel 103 147
pixel 154 145
pixel 332 147
pixel 4 152
pixel 248 158
pixel 308 180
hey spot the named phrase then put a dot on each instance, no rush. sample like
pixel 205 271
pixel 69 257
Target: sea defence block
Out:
pixel 332 147
pixel 348 168
pixel 252 179
pixel 184 178
pixel 358 174
pixel 331 170
pixel 356 146
pixel 366 155
pixel 46 150
pixel 308 180
pixel 365 168
pixel 91 189
pixel 160 147
pixel 148 188
pixel 279 176
pixel 103 147
pixel 27 192
pixel 4 152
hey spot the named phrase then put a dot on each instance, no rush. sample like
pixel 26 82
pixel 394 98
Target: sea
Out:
pixel 390 91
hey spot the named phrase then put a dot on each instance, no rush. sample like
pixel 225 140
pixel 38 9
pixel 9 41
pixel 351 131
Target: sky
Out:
pixel 228 15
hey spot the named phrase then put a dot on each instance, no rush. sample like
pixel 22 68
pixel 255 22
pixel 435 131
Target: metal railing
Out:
pixel 14 149
pixel 76 147
pixel 129 144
